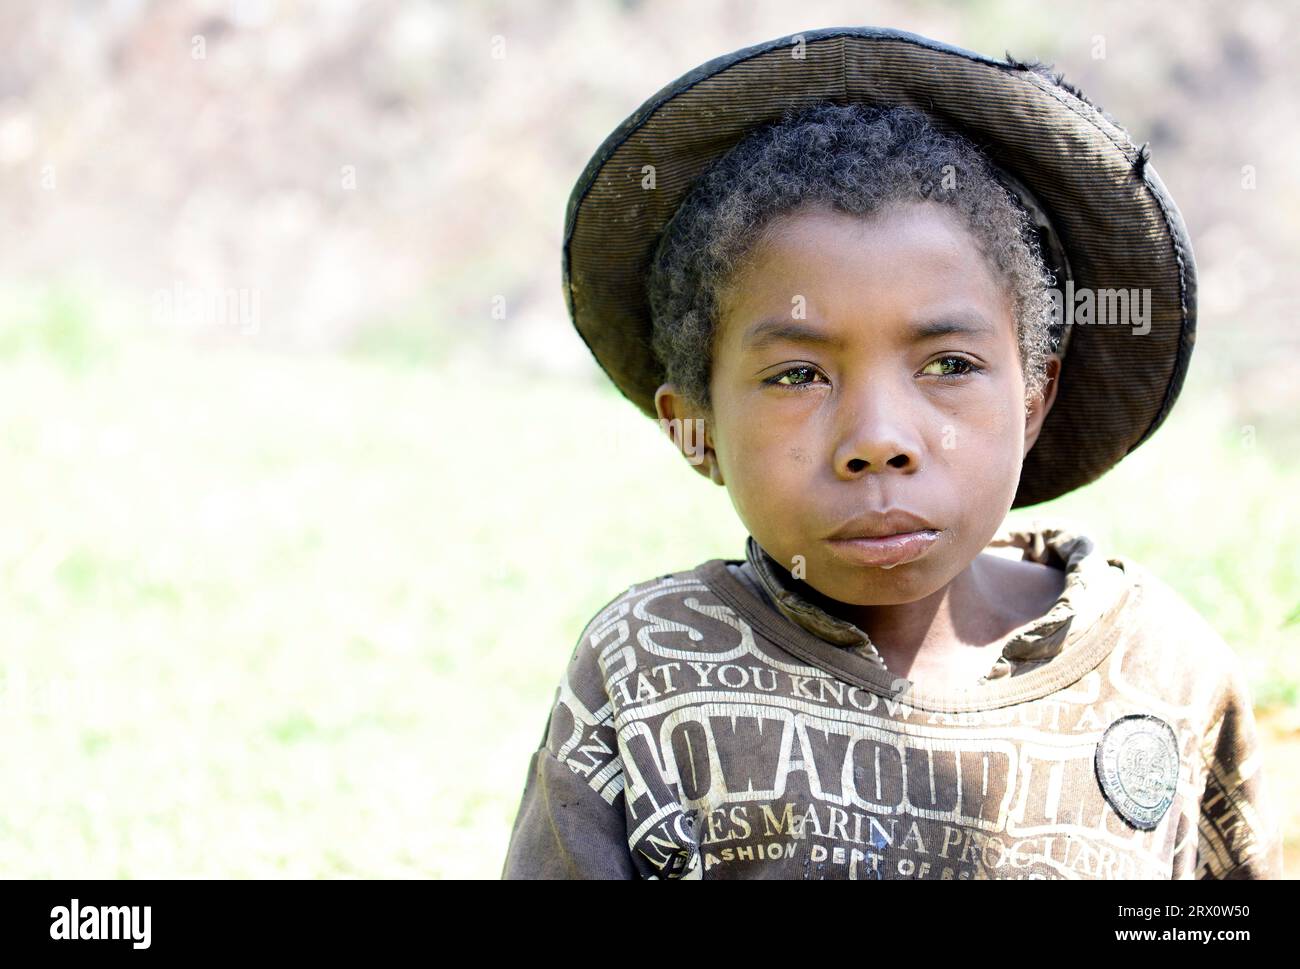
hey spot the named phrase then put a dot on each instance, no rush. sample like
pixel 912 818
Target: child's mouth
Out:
pixel 887 551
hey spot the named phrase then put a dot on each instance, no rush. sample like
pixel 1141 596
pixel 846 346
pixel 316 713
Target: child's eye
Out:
pixel 793 370
pixel 964 367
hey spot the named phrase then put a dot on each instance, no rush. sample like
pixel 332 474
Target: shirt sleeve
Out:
pixel 1240 832
pixel 565 830
pixel 572 822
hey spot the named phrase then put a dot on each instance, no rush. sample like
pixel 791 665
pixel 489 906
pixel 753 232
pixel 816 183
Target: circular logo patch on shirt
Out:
pixel 1137 767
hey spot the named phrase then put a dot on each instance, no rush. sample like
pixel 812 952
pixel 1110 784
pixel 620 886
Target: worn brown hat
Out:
pixel 1105 221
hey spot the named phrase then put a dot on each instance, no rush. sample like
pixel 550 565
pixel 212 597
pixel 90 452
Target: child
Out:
pixel 863 319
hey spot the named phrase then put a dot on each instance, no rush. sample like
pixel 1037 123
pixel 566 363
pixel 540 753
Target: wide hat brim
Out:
pixel 1114 220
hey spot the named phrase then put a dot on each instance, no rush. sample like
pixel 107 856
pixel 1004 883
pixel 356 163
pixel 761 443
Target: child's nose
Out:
pixel 877 435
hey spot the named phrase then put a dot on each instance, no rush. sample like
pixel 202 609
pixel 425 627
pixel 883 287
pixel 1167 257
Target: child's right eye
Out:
pixel 777 380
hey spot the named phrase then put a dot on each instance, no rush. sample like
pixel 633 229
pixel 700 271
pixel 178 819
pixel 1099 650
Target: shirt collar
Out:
pixel 1091 584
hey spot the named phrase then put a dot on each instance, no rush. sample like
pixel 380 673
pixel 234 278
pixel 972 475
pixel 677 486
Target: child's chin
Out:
pixel 859 585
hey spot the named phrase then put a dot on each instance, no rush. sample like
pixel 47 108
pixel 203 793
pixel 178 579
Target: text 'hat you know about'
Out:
pixel 1104 220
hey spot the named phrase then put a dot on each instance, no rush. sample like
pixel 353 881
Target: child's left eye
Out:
pixel 965 366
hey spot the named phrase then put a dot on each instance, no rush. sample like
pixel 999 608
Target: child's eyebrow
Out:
pixel 783 331
pixel 974 325
pixel 767 332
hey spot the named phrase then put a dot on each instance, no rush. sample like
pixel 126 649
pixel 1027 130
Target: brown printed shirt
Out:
pixel 716 723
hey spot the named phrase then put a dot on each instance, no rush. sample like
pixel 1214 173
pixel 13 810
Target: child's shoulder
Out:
pixel 669 592
pixel 654 617
pixel 1165 634
pixel 673 606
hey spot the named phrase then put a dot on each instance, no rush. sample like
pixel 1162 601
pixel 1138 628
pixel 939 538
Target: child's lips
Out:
pixel 887 551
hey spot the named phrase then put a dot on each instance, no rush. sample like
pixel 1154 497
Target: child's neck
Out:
pixel 950 635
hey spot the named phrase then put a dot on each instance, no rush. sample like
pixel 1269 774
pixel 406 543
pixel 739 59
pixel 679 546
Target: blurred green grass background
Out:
pixel 303 615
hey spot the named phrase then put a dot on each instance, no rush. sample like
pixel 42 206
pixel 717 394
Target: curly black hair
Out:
pixel 857 159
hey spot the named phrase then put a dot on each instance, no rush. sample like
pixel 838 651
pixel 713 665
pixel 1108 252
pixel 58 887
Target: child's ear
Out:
pixel 1036 409
pixel 690 428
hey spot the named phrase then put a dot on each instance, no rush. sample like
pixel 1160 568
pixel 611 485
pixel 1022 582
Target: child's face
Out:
pixel 875 425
